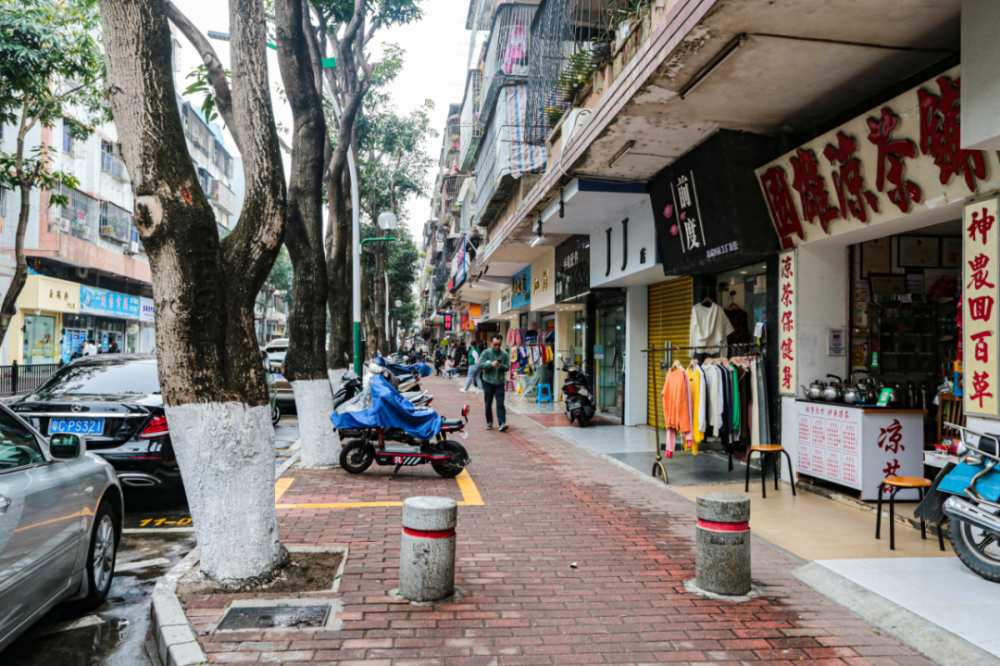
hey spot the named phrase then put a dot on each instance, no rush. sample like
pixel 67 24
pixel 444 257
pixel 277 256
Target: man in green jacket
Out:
pixel 494 364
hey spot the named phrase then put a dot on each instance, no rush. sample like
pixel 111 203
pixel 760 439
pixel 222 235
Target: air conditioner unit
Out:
pixel 133 247
pixel 82 273
pixel 575 121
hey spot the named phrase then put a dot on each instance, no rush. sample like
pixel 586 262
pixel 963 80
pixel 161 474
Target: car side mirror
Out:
pixel 67 446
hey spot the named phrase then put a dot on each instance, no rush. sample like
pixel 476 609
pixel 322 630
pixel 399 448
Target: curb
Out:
pixel 292 459
pixel 176 644
pixel 934 642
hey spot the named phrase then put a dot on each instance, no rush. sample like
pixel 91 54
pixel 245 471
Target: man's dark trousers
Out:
pixel 491 391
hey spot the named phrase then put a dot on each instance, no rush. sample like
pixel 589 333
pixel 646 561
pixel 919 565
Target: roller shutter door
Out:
pixel 669 321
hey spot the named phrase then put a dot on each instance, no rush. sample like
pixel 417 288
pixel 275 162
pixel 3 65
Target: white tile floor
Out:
pixel 612 439
pixel 940 590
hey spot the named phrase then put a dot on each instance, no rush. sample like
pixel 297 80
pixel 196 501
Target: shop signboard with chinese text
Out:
pixel 521 289
pixel 981 274
pixel 449 321
pixel 458 266
pixel 707 212
pixel 506 298
pixel 901 158
pixel 108 303
pixel 787 286
pixel 858 447
pixel 572 268
pixel 146 309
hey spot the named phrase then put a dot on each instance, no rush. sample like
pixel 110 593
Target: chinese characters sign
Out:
pixel 685 213
pixel 521 289
pixel 899 158
pixel 108 303
pixel 981 274
pixel 787 287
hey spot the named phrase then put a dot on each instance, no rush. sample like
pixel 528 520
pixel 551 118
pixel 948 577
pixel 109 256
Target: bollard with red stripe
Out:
pixel 722 552
pixel 427 551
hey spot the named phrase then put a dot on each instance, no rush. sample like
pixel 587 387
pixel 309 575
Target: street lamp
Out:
pixel 387 221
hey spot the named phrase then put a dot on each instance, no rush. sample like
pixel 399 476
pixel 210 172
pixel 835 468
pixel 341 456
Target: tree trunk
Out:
pixel 305 364
pixel 211 376
pixel 9 307
pixel 339 240
pixel 378 299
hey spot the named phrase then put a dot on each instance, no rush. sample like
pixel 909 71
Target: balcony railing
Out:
pixel 569 39
pixel 504 154
pixel 221 195
pixel 506 54
pixel 471 130
pixel 117 223
pixel 88 219
pixel 468 210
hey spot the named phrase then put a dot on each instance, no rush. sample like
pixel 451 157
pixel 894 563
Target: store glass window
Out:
pixel 742 293
pixel 40 340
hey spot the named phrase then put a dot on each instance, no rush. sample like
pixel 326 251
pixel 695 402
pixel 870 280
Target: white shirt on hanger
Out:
pixel 709 325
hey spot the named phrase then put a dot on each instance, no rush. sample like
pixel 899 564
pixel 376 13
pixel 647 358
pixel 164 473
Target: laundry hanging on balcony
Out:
pixel 521 157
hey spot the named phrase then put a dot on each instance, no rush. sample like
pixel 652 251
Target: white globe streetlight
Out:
pixel 387 221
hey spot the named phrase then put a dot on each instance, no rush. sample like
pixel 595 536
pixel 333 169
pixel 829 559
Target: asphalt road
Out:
pixel 158 534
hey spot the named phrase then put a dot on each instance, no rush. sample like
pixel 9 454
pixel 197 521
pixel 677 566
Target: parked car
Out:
pixel 276 350
pixel 60 524
pixel 115 402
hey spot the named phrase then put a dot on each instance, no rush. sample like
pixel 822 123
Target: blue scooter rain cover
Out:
pixel 381 406
pixel 397 369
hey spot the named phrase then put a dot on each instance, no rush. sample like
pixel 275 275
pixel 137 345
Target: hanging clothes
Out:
pixel 709 325
pixel 757 408
pixel 676 396
pixel 712 402
pixel 741 326
pixel 698 408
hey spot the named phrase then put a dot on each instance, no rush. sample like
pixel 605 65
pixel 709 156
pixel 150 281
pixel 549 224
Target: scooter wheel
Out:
pixel 357 456
pixel 976 548
pixel 449 470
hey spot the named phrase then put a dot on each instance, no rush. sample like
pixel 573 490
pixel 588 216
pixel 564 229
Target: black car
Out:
pixel 115 402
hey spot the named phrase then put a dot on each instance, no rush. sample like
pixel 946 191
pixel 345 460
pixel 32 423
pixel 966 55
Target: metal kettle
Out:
pixel 815 390
pixel 834 391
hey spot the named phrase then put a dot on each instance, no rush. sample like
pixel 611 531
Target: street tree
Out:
pixel 211 376
pixel 50 68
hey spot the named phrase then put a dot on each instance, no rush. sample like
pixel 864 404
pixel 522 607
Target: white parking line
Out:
pixel 141 564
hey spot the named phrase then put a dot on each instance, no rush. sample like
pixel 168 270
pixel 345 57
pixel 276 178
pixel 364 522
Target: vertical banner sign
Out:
pixel 981 240
pixel 786 322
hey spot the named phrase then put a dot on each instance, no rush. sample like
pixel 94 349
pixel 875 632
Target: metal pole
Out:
pixel 355 236
pixel 388 339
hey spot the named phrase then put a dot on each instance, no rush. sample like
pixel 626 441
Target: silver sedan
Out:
pixel 60 524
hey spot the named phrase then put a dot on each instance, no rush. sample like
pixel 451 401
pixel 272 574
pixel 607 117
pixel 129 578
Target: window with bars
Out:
pixel 470 130
pixel 111 160
pixel 506 61
pixel 116 223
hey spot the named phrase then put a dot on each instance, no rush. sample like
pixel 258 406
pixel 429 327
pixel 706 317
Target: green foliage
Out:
pixel 381 13
pixel 201 85
pixel 50 62
pixel 281 276
pixel 402 266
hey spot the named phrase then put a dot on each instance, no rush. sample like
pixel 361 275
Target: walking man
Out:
pixel 495 367
pixel 473 369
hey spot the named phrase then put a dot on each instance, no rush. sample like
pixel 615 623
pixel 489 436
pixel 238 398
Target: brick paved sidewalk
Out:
pixel 547 504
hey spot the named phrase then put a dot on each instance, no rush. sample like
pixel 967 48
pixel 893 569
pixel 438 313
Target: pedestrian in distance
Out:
pixel 90 349
pixel 438 362
pixel 494 363
pixel 474 371
pixel 449 368
pixel 113 347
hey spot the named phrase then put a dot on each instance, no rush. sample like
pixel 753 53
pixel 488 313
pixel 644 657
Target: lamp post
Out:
pixel 386 222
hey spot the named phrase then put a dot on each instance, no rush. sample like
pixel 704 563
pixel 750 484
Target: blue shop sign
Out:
pixel 520 288
pixel 108 303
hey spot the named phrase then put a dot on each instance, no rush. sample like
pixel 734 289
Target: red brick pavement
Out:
pixel 548 504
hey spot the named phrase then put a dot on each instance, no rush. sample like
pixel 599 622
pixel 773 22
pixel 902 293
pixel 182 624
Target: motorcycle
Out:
pixel 968 494
pixel 379 414
pixel 576 390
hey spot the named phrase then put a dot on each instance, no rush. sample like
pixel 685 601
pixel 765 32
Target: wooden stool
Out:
pixel 766 451
pixel 897 483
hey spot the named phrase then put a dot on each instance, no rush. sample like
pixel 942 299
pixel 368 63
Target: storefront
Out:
pixel 107 316
pixel 873 217
pixel 42 306
pixel 713 228
pixel 572 289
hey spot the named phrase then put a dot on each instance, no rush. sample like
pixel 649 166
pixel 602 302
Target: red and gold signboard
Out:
pixel 449 321
pixel 981 274
pixel 787 286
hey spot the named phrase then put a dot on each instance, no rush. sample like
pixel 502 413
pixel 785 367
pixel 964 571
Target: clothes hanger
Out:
pixel 707 302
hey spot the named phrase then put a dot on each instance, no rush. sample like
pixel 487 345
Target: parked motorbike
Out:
pixel 379 414
pixel 351 385
pixel 968 494
pixel 576 389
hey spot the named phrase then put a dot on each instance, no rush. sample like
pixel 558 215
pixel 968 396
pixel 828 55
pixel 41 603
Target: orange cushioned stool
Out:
pixel 767 451
pixel 898 483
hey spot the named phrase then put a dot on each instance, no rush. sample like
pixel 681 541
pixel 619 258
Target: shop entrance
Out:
pixel 609 359
pixel 39 340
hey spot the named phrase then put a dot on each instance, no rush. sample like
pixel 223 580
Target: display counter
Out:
pixel 859 445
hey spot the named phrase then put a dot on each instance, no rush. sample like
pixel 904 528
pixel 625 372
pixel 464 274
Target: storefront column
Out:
pixel 564 345
pixel 636 362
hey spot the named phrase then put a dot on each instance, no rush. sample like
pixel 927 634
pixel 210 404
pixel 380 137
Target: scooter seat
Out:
pixel 452 423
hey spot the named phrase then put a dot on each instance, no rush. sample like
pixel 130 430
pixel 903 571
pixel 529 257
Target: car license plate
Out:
pixel 77 426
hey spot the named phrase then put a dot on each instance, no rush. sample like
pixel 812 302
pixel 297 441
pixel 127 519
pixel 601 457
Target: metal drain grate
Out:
pixel 275 617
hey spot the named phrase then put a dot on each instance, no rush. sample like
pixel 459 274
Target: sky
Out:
pixel 435 61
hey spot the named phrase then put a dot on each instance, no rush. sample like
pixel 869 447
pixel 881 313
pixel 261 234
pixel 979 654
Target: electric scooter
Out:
pixel 968 494
pixel 579 406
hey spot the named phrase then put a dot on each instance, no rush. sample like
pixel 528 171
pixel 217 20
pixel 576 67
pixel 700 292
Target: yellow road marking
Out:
pixel 470 497
pixel 280 486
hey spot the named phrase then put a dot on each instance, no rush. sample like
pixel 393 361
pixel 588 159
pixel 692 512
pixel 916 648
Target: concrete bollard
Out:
pixel 427 553
pixel 722 552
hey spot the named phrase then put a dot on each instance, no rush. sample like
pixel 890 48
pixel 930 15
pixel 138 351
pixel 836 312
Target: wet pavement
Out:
pixel 158 534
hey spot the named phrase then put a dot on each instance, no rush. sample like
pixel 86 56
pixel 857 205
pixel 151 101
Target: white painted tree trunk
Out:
pixel 226 450
pixel 318 442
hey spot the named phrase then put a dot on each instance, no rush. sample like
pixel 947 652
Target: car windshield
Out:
pixel 101 378
pixel 277 355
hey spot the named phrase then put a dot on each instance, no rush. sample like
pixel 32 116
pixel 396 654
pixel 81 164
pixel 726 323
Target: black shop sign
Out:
pixel 707 206
pixel 572 268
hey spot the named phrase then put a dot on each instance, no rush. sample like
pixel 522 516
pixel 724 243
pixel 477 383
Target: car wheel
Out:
pixel 276 413
pixel 101 556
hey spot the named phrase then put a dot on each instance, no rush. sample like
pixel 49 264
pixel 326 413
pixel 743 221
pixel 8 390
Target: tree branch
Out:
pixel 216 72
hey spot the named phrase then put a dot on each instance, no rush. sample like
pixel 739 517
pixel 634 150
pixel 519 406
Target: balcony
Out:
pixel 504 155
pixel 111 161
pixel 89 219
pixel 569 40
pixel 219 194
pixel 468 208
pixel 506 60
pixel 117 223
pixel 450 187
pixel 471 130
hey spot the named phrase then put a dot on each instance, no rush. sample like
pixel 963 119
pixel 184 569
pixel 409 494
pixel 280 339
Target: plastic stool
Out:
pixel 544 392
